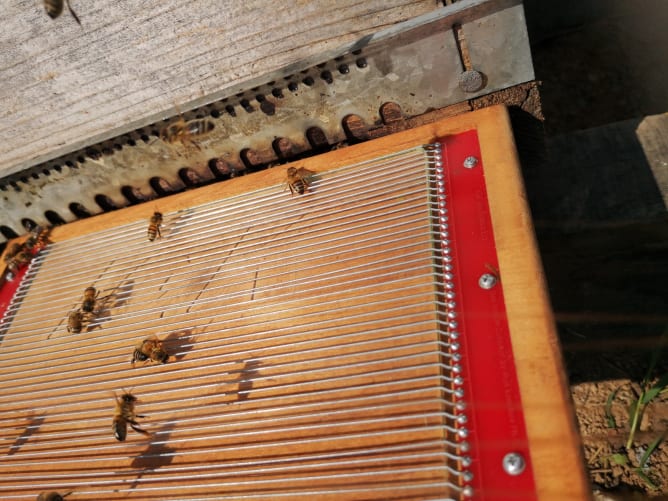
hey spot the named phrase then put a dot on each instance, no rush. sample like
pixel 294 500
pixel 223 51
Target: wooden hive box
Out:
pixel 311 340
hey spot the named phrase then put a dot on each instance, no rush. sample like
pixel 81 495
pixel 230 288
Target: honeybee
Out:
pixel 185 132
pixel 150 348
pixel 299 180
pixel 13 250
pixel 19 260
pixel 52 496
pixel 43 235
pixel 39 237
pixel 154 226
pixel 124 414
pixel 74 322
pixel 90 294
pixel 55 7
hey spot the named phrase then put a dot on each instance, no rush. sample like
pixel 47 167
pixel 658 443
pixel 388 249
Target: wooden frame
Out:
pixel 553 437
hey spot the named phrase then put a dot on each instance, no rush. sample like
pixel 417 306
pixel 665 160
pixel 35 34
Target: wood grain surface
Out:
pixel 63 85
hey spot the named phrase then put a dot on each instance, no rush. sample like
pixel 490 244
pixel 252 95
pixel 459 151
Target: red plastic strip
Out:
pixel 494 408
pixel 9 287
pixel 7 291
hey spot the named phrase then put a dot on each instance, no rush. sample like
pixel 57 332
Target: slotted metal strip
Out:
pixel 302 110
pixel 310 355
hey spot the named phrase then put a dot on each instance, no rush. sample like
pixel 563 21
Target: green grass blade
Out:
pixel 651 447
pixel 656 389
pixel 634 419
pixel 610 419
pixel 646 479
pixel 620 459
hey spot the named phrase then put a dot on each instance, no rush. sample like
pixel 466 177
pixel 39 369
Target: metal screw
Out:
pixel 513 463
pixel 470 162
pixel 471 81
pixel 487 281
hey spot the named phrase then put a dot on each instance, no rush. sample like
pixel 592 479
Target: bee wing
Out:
pixel 304 173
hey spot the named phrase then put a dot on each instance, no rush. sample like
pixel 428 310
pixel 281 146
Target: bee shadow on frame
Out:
pixel 179 343
pixel 34 422
pixel 117 298
pixel 245 377
pixel 122 293
pixel 156 455
pixel 182 219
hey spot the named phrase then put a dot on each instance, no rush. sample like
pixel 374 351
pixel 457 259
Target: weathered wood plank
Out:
pixel 63 85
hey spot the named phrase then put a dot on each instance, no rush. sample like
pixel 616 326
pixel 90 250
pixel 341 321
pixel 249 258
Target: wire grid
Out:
pixel 308 352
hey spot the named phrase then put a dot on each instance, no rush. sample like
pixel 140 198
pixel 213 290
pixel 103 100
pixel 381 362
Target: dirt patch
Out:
pixel 605 430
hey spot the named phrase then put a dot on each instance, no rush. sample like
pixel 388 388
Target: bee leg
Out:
pixel 195 144
pixel 76 18
pixel 139 430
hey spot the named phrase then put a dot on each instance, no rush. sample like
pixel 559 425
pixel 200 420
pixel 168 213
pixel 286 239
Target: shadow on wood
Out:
pixel 600 216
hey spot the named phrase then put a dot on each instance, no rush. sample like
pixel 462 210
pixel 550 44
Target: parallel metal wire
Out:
pixel 312 321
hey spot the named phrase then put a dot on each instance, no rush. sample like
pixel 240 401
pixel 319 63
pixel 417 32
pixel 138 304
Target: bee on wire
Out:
pixel 154 226
pixel 125 414
pixel 299 180
pixel 150 348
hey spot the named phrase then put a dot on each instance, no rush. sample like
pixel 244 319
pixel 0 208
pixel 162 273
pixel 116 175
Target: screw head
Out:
pixel 471 81
pixel 470 162
pixel 487 281
pixel 514 463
